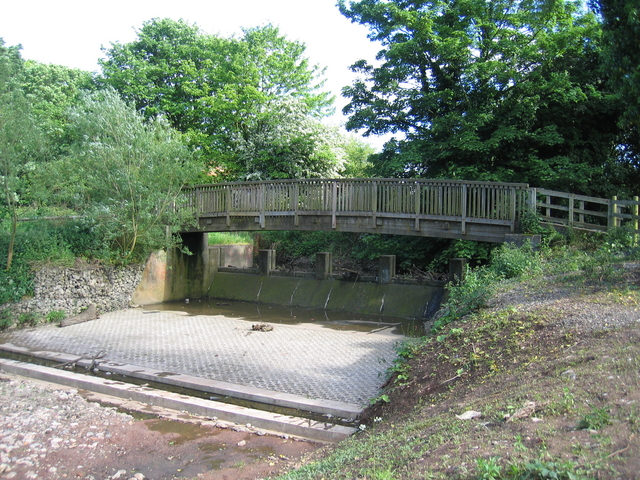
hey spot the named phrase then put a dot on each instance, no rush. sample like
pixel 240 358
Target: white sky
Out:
pixel 71 32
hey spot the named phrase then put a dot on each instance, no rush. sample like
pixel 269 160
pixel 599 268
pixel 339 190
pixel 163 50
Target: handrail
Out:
pixel 460 200
pixel 582 212
pixel 407 200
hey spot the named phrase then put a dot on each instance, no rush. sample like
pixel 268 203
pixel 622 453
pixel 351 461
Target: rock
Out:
pixel 468 415
pixel 261 327
pixel 241 443
pixel 527 410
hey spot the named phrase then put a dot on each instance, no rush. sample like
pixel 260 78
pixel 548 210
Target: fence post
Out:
pixel 417 205
pixel 612 220
pixel 463 211
pixel 334 202
pixel 571 206
pixel 262 202
pixel 634 210
pixel 374 203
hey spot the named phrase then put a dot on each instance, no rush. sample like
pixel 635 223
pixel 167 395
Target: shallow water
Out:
pixel 278 314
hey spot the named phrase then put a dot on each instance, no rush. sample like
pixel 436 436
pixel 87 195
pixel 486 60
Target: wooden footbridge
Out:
pixel 484 211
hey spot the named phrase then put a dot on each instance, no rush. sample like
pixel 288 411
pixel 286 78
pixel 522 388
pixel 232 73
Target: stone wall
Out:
pixel 73 289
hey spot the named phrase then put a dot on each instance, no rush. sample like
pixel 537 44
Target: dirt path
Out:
pixel 51 432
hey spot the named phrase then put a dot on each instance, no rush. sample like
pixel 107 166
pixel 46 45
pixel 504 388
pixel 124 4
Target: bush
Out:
pixel 28 319
pixel 6 319
pixel 56 316
pixel 510 262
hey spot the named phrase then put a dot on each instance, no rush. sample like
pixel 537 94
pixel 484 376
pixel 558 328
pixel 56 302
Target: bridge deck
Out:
pixel 482 211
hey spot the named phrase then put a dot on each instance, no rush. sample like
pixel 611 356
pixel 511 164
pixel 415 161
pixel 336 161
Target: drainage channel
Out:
pixel 313 419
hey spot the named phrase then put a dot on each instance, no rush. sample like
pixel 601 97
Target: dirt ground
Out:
pixel 51 432
pixel 548 371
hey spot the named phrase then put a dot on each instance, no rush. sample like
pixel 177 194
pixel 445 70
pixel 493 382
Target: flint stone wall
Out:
pixel 73 289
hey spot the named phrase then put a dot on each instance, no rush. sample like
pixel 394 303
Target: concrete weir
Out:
pixel 274 422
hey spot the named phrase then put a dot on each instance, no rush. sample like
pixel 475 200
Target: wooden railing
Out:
pixel 580 212
pixel 491 208
pixel 480 202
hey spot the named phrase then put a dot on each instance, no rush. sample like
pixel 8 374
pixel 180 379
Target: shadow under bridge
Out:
pixel 483 211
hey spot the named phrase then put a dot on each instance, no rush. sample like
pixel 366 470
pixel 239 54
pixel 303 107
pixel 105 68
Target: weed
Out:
pixel 489 469
pixel 6 319
pixel 28 319
pixel 596 419
pixel 55 316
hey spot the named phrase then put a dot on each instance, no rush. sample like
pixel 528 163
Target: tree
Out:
pixel 502 90
pixel 213 89
pixel 621 53
pixel 121 171
pixel 285 141
pixel 52 90
pixel 21 141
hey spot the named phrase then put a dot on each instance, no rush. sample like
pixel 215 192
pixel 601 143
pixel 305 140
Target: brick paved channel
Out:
pixel 306 360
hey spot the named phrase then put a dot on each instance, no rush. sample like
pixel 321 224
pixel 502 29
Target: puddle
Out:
pixel 277 314
pixel 180 432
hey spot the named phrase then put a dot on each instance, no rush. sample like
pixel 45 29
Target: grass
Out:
pixel 222 238
pixel 554 403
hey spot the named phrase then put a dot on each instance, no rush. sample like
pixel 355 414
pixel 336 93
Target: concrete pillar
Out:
pixel 324 265
pixel 457 268
pixel 190 275
pixel 266 261
pixel 386 268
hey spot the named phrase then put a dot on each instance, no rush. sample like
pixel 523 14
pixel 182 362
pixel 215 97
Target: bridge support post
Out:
pixel 266 261
pixel 386 268
pixel 457 270
pixel 324 265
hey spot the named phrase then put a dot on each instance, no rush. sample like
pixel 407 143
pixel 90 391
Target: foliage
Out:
pixel 467 296
pixel 6 319
pixel 55 316
pixel 226 94
pixel 502 90
pixel 122 173
pixel 596 419
pixel 28 319
pixel 286 141
pixel 52 90
pixel 21 141
pixel 223 238
pixel 477 253
pixel 621 24
pixel 508 261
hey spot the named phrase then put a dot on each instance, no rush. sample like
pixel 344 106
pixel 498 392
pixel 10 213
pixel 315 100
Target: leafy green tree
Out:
pixel 52 90
pixel 621 24
pixel 21 141
pixel 215 90
pixel 502 90
pixel 285 141
pixel 124 173
pixel 357 162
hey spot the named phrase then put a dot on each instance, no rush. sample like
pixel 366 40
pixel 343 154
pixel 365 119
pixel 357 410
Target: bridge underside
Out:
pixel 454 227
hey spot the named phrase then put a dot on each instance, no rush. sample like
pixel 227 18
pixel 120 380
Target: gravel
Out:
pixel 40 421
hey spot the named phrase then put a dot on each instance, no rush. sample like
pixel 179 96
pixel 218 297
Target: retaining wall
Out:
pixel 73 289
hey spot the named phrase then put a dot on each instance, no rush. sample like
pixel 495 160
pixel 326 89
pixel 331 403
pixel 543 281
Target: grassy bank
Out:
pixel 531 372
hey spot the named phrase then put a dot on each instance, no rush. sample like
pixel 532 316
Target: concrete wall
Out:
pixel 239 256
pixel 175 275
pixel 409 301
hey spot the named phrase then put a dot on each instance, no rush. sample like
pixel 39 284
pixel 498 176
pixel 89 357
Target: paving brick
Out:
pixel 305 360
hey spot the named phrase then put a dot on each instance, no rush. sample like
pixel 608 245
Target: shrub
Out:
pixel 28 319
pixel 510 262
pixel 55 316
pixel 6 319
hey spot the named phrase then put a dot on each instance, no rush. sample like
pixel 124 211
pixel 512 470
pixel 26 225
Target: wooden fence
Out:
pixel 459 201
pixel 487 205
pixel 580 212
